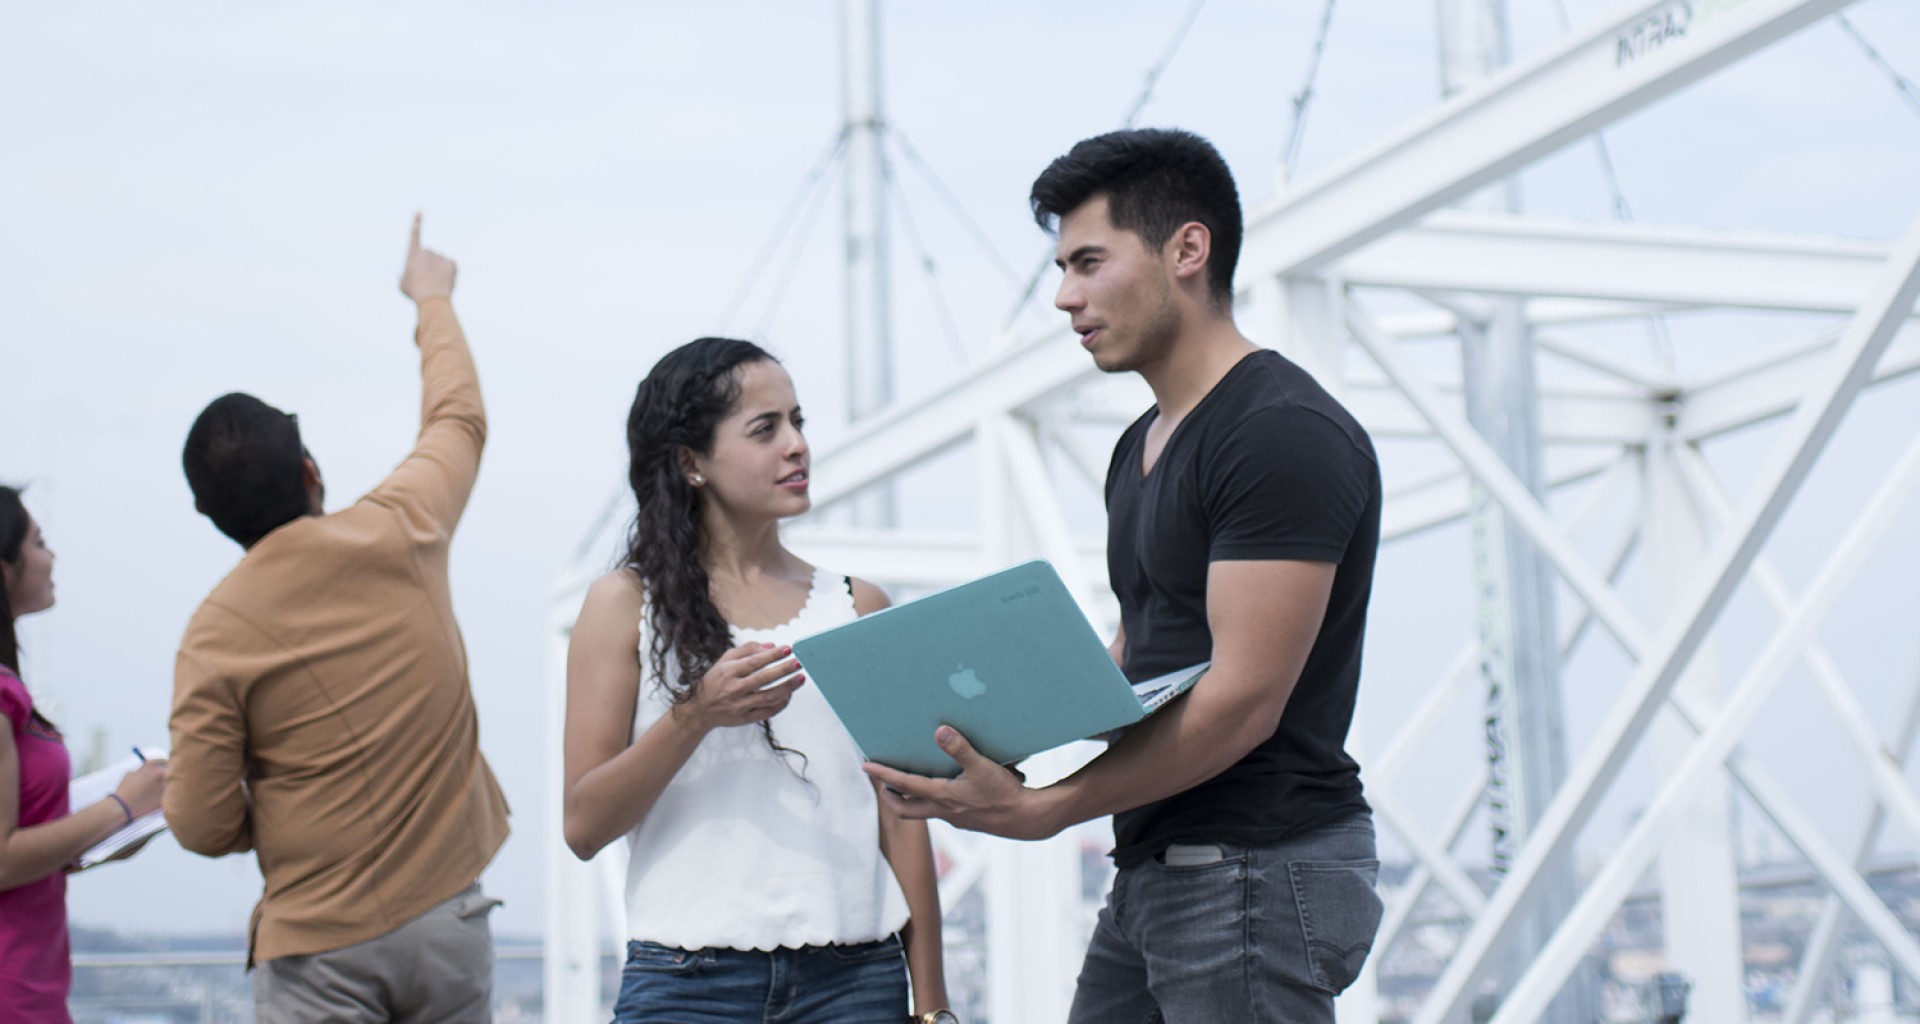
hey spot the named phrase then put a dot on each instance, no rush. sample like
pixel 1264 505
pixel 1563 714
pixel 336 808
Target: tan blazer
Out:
pixel 322 715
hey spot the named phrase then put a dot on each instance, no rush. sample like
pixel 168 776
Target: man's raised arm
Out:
pixel 435 480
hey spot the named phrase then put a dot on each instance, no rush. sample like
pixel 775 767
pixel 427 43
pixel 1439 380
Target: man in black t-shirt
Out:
pixel 1243 517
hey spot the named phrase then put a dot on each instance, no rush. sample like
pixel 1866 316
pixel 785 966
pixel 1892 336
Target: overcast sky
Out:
pixel 206 197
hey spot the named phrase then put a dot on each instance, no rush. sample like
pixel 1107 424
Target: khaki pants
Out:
pixel 435 969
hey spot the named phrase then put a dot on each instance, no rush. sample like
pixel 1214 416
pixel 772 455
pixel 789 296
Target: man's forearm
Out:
pixel 1200 736
pixel 435 481
pixel 449 381
pixel 1264 618
pixel 210 835
pixel 208 817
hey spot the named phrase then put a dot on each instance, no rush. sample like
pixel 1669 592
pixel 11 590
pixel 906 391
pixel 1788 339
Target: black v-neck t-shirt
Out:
pixel 1267 467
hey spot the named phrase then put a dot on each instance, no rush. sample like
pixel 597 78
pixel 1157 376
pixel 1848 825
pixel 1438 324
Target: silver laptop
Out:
pixel 1008 659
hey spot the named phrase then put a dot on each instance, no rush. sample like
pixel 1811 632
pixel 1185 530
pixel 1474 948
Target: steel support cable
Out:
pixel 953 204
pixel 808 183
pixel 1908 91
pixel 892 181
pixel 785 278
pixel 1303 100
pixel 607 512
pixel 1657 329
pixel 1166 58
pixel 1133 113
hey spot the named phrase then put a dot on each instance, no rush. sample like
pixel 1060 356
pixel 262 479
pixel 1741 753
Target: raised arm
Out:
pixel 206 805
pixel 433 483
pixel 1264 617
pixel 614 778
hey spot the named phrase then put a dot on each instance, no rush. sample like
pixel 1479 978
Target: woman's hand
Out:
pixel 143 786
pixel 135 847
pixel 739 689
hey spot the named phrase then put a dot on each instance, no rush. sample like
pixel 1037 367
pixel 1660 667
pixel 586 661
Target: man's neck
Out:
pixel 1195 362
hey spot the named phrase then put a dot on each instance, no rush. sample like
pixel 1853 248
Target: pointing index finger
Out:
pixel 413 242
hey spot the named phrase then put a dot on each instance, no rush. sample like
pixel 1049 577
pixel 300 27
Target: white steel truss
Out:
pixel 1315 259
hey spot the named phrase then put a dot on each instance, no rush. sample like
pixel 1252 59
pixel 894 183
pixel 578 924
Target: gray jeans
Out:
pixel 435 969
pixel 1221 932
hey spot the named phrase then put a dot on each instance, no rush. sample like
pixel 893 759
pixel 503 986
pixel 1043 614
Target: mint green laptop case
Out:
pixel 1007 659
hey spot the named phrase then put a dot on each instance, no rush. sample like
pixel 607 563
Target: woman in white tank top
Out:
pixel 766 882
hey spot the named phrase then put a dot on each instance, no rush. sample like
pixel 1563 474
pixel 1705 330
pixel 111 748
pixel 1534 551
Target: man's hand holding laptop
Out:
pixel 986 797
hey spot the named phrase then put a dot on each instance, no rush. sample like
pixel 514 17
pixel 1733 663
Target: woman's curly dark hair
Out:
pixel 676 409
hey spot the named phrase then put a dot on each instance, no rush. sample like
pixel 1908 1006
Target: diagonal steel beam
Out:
pixel 1432 856
pixel 1531 517
pixel 1453 683
pixel 1034 496
pixel 1773 388
pixel 1386 767
pixel 911 431
pixel 1491 473
pixel 1645 50
pixel 1601 75
pixel 1893 789
pixel 1817 957
pixel 1651 382
pixel 1714 507
pixel 1819 415
pixel 1607 889
pixel 1402 903
pixel 1446 500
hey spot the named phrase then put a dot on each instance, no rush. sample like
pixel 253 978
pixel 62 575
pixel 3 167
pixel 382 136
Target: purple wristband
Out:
pixel 115 797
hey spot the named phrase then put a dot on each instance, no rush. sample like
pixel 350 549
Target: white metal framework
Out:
pixel 1031 413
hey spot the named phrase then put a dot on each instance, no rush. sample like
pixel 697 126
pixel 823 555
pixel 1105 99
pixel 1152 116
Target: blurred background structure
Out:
pixel 1508 362
pixel 1624 291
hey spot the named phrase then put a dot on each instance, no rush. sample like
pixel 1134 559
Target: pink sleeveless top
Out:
pixel 36 968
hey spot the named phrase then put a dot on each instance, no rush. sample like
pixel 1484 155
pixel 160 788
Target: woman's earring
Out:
pixel 698 479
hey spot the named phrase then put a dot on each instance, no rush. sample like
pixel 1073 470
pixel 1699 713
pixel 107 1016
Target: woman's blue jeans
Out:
pixel 858 984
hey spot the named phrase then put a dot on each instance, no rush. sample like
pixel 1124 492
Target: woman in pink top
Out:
pixel 40 836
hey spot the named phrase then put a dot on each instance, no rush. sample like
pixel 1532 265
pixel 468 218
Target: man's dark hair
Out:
pixel 243 461
pixel 1155 180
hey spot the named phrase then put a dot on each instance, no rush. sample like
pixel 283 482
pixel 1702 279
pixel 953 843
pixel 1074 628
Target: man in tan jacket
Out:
pixel 322 715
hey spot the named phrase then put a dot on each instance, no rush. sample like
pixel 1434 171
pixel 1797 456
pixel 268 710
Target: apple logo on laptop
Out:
pixel 966 683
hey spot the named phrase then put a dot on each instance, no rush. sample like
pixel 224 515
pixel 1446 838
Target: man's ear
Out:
pixel 1189 249
pixel 310 474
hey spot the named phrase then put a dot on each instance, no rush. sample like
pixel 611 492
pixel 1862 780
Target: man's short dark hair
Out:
pixel 1155 180
pixel 243 461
